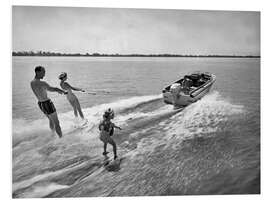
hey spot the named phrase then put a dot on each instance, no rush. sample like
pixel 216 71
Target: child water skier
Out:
pixel 106 128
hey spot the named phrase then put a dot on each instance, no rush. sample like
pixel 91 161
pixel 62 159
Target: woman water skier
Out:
pixel 71 97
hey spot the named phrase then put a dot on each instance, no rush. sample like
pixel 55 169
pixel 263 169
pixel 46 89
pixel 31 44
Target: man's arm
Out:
pixel 53 89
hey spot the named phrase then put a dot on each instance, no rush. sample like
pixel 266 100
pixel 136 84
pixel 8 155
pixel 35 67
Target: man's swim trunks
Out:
pixel 47 107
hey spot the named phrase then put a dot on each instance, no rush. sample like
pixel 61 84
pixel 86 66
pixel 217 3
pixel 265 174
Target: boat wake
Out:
pixel 45 166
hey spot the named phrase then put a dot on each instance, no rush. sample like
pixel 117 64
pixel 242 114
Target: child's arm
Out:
pixel 101 127
pixel 115 126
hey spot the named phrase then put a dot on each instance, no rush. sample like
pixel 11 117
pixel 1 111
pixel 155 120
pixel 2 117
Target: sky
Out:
pixel 135 31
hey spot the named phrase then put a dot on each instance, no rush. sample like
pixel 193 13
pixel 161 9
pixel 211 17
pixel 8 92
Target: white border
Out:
pixel 168 4
pixel 6 168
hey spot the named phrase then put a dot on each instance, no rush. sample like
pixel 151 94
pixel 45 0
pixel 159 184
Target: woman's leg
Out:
pixel 78 107
pixel 72 103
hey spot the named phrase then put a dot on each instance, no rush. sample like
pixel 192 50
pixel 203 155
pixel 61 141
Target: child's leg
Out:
pixel 114 148
pixel 105 149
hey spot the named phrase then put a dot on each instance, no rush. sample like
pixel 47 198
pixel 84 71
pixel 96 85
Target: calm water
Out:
pixel 210 147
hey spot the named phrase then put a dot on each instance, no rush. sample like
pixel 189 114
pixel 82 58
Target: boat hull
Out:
pixel 184 98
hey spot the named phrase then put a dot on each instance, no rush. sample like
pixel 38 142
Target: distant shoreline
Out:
pixel 49 54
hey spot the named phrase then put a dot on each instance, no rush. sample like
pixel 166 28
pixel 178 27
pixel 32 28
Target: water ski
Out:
pixel 178 108
pixel 76 128
pixel 112 164
pixel 81 124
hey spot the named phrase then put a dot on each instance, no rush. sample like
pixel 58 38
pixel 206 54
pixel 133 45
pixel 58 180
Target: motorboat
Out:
pixel 188 89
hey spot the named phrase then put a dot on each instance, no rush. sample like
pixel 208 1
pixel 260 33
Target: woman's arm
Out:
pixel 73 88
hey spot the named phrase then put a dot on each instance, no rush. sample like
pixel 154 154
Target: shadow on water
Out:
pixel 113 165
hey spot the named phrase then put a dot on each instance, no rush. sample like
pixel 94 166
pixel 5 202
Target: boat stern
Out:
pixel 167 96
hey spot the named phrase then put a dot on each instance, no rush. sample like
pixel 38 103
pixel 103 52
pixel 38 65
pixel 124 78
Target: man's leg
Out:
pixel 75 111
pixel 51 124
pixel 55 121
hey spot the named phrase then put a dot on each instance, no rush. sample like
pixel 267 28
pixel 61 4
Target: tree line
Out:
pixel 47 53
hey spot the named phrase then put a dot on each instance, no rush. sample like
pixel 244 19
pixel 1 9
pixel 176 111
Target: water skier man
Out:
pixel 40 89
pixel 106 131
pixel 71 97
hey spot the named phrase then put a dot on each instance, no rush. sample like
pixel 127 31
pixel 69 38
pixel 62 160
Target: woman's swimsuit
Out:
pixel 47 107
pixel 70 95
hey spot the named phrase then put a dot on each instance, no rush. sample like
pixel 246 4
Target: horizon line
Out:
pixel 96 54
